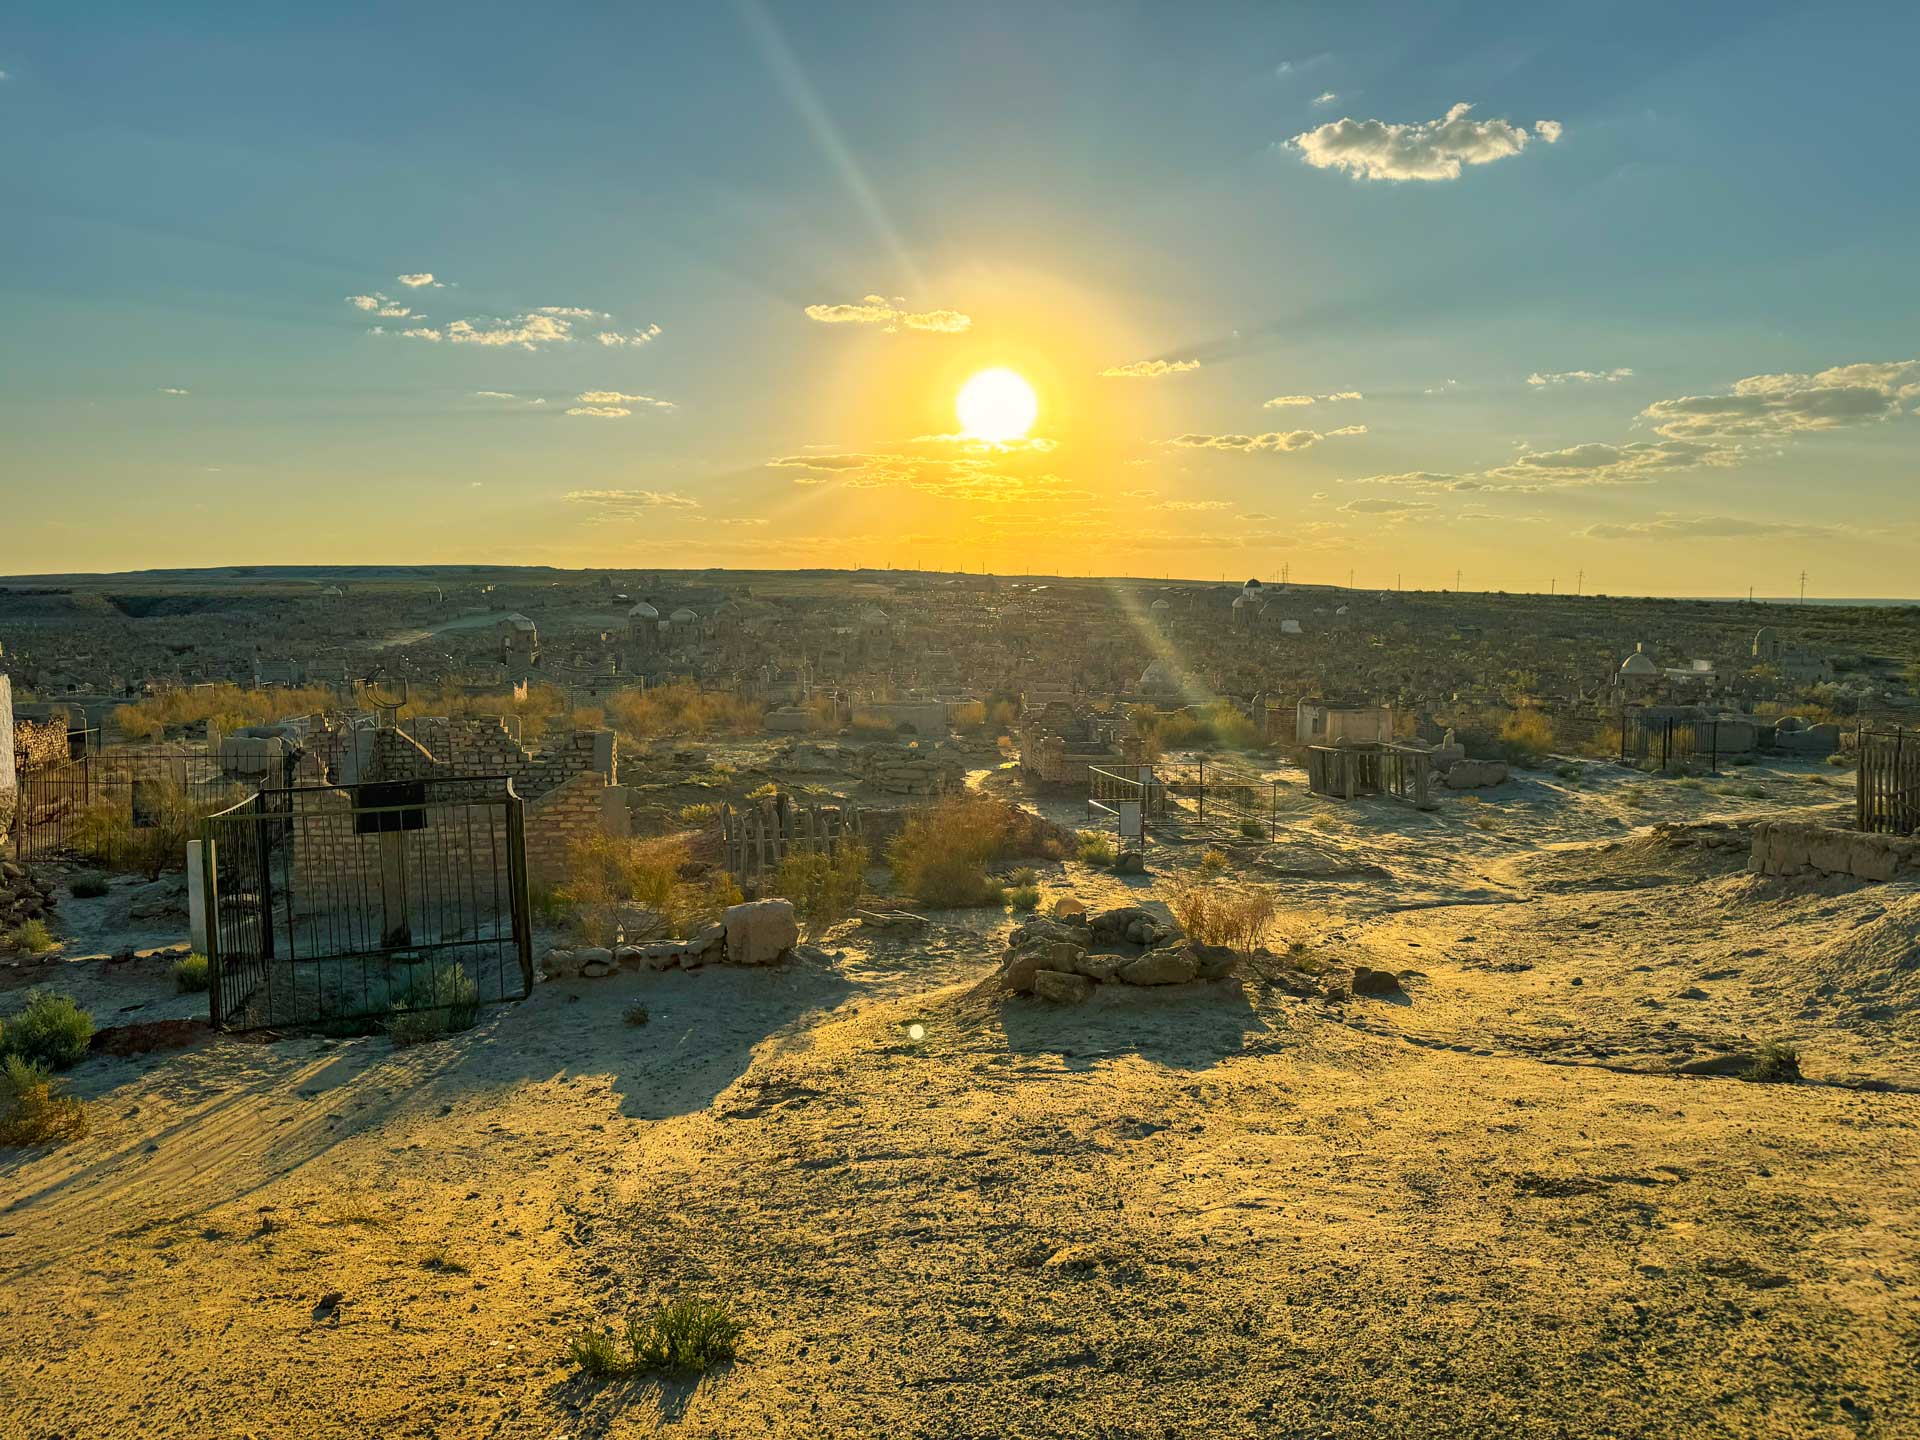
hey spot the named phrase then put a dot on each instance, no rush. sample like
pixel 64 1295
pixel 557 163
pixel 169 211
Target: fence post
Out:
pixel 210 898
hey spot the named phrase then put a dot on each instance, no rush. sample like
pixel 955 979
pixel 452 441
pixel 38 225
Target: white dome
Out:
pixel 683 616
pixel 1242 601
pixel 1160 605
pixel 643 611
pixel 1638 664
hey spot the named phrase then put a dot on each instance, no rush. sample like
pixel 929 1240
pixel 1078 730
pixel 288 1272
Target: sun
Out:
pixel 996 405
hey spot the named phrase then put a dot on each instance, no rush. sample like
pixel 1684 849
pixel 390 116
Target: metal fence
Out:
pixel 1887 782
pixel 1136 799
pixel 1666 740
pixel 345 904
pixel 757 836
pixel 118 806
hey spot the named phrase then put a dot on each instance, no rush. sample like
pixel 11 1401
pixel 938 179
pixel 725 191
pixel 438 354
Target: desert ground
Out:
pixel 1518 1200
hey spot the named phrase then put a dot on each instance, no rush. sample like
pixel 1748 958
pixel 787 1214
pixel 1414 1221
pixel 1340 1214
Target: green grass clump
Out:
pixel 1095 848
pixel 88 887
pixel 30 936
pixel 33 1111
pixel 190 974
pixel 635 1015
pixel 49 1031
pixel 1252 829
pixel 1024 897
pixel 682 1338
pixel 448 1001
pixel 1025 875
pixel 1775 1062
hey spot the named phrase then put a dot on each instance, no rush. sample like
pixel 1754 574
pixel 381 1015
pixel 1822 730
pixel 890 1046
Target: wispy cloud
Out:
pixel 173 390
pixel 571 312
pixel 1271 440
pixel 1149 369
pixel 615 397
pixel 508 397
pixel 1423 150
pixel 631 501
pixel 1194 505
pixel 1325 97
pixel 378 304
pixel 1706 527
pixel 424 277
pixel 638 337
pixel 1280 402
pixel 1580 377
pixel 529 331
pixel 1381 505
pixel 890 316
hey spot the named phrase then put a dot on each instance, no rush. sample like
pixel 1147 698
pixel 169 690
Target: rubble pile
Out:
pixel 1062 958
pixel 22 897
pixel 758 932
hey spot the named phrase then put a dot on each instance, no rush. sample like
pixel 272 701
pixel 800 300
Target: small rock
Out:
pixel 1060 988
pixel 760 931
pixel 1367 981
pixel 1160 967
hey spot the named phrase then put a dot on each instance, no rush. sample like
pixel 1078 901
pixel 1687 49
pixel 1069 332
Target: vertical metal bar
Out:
pixel 517 889
pixel 209 892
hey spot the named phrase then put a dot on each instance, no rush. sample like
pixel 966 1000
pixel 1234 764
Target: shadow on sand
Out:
pixel 1184 1027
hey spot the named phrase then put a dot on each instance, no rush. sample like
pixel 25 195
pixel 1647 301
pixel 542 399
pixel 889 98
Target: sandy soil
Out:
pixel 1491 1208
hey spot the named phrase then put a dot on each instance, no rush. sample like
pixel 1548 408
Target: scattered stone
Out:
pixel 1060 988
pixel 1160 967
pixel 1130 862
pixel 1367 981
pixel 1068 905
pixel 890 920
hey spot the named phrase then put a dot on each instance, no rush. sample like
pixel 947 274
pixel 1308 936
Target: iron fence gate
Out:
pixel 1667 739
pixel 331 904
pixel 1887 782
pixel 117 807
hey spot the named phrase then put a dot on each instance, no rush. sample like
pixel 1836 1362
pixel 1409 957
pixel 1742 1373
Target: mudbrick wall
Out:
pixel 1788 847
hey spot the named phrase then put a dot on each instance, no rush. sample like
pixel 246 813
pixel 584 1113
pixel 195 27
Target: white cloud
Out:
pixel 424 332
pixel 1149 369
pixel 570 312
pixel 1325 97
pixel 378 304
pixel 1424 150
pixel 614 397
pixel 1194 505
pixel 638 337
pixel 1775 407
pixel 744 520
pixel 1549 130
pixel 1346 395
pixel 618 501
pixel 173 390
pixel 1580 377
pixel 604 412
pixel 508 396
pixel 888 314
pixel 1348 430
pixel 414 282
pixel 529 331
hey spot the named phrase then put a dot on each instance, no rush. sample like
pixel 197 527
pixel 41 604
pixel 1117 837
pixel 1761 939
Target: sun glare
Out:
pixel 996 405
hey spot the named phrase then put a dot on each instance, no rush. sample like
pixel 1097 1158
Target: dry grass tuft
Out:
pixel 1236 916
pixel 33 1111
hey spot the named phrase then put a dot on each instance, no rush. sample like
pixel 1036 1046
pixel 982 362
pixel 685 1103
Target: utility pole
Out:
pixel 1580 583
pixel 1456 582
pixel 1803 587
pixel 1553 586
pixel 1349 577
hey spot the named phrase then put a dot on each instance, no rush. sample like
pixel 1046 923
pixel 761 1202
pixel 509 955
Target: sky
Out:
pixel 1522 297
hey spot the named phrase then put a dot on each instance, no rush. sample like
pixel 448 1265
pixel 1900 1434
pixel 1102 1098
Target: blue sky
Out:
pixel 1698 195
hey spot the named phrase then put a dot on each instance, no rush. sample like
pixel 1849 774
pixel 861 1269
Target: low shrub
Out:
pixel 607 871
pixel 88 887
pixel 1239 917
pixel 31 937
pixel 1213 862
pixel 1024 897
pixel 33 1109
pixel 635 1015
pixel 1252 829
pixel 445 1002
pixel 1525 737
pixel 1025 875
pixel 683 1338
pixel 49 1031
pixel 823 885
pixel 941 855
pixel 1095 848
pixel 698 814
pixel 1776 1061
pixel 190 974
